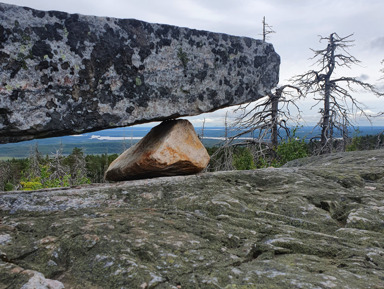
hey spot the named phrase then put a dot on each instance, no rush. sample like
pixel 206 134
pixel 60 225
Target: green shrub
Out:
pixel 33 184
pixel 8 187
pixel 243 159
pixel 266 162
pixel 291 149
pixel 354 145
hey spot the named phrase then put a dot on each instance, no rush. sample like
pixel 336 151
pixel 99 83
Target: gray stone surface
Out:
pixel 318 224
pixel 67 73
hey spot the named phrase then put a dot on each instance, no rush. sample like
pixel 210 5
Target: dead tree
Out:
pixel 334 92
pixel 77 166
pixel 267 29
pixel 382 78
pixel 382 70
pixel 35 159
pixel 57 167
pixel 222 158
pixel 5 174
pixel 260 127
pixel 201 136
pixel 268 117
pixel 265 119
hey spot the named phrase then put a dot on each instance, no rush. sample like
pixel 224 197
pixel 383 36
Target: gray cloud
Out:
pixel 378 43
pixel 363 77
pixel 380 87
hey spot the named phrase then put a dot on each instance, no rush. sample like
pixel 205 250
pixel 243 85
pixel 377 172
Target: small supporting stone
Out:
pixel 171 148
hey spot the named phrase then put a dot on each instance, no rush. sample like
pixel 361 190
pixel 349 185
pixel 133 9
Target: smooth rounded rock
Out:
pixel 171 148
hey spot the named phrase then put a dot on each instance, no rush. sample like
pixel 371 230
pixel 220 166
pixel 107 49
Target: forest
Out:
pixel 39 171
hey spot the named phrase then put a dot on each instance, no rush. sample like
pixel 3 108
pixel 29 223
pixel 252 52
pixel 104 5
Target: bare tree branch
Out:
pixel 267 29
pixel 335 93
pixel 266 119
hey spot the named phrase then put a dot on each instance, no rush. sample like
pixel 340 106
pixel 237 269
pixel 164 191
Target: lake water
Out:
pixel 119 139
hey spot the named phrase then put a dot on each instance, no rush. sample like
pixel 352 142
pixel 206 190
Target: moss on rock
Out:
pixel 294 227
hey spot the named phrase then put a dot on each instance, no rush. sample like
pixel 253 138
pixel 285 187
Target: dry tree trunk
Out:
pixel 335 94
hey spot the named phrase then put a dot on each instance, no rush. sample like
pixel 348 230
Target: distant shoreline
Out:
pixel 117 140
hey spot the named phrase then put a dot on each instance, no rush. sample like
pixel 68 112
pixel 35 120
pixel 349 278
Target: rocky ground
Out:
pixel 317 223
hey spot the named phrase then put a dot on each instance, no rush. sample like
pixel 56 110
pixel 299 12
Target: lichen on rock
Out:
pixel 292 227
pixel 67 73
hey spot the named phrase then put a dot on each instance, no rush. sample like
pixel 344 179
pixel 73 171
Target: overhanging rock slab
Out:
pixel 67 73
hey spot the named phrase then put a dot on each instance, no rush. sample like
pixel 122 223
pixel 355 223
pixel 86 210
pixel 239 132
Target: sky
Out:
pixel 297 23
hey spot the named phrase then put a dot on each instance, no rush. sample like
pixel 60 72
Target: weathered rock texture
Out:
pixel 320 225
pixel 169 149
pixel 66 73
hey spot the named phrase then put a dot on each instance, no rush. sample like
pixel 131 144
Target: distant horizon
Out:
pixel 117 140
pixel 297 24
pixel 221 126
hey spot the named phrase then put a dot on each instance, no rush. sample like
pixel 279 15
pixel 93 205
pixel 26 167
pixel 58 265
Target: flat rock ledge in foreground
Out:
pixel 66 74
pixel 317 225
pixel 172 148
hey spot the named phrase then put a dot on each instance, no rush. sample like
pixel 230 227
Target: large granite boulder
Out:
pixel 66 73
pixel 171 148
pixel 315 225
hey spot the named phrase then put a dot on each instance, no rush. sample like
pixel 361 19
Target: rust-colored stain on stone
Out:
pixel 171 148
